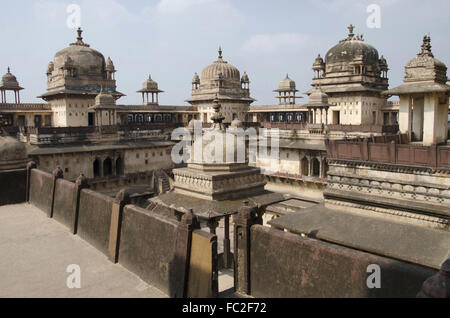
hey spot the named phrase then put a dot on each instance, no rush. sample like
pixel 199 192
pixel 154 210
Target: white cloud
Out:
pixel 273 43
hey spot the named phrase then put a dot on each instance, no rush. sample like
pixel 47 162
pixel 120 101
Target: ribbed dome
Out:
pixel 220 68
pixel 80 56
pixel 286 84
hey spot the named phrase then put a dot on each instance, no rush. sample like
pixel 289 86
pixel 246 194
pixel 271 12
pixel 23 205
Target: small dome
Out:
pixel 221 69
pixel 104 98
pixel 110 65
pixel 13 153
pixel 245 78
pixel 196 79
pixel 236 123
pixel 318 63
pixel 318 97
pixel 286 84
pixel 50 68
pixel 9 81
pixel 150 84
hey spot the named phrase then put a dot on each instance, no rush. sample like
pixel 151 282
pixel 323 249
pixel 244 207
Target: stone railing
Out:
pixel 389 129
pixel 10 106
pixel 389 150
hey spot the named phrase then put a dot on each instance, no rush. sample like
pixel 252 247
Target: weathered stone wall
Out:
pixel 147 245
pixel 63 210
pixel 94 219
pixel 288 265
pixel 12 186
pixel 41 190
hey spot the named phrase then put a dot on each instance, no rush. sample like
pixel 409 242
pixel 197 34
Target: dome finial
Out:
pixel 220 52
pixel 80 32
pixel 9 70
pixel 350 31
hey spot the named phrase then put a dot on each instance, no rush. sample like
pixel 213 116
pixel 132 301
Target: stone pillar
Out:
pixel 226 243
pixel 417 118
pixel 310 168
pixel 322 168
pixel 57 174
pixel 404 114
pixel 435 119
pixel 80 184
pixel 181 261
pixel 122 198
pixel 243 221
pixel 30 166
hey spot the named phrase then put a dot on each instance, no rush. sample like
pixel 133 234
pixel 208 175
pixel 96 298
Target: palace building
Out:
pixel 82 126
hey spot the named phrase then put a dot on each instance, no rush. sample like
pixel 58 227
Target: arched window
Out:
pixel 107 167
pixel 119 167
pixel 304 166
pixel 315 167
pixel 96 168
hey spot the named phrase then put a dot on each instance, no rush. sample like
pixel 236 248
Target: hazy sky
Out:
pixel 172 39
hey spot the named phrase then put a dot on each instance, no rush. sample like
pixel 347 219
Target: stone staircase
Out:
pixel 162 181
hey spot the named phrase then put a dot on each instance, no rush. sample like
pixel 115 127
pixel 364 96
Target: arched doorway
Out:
pixel 315 167
pixel 96 168
pixel 119 167
pixel 107 167
pixel 304 166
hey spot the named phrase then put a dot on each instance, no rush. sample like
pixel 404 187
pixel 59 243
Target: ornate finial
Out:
pixel 350 31
pixel 426 46
pixel 220 52
pixel 149 77
pixel 217 118
pixel 9 70
pixel 80 32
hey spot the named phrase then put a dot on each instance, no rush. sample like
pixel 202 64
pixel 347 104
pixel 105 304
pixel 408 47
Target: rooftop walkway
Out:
pixel 36 251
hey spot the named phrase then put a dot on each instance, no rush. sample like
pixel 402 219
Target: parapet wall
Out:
pixel 154 247
pixel 288 265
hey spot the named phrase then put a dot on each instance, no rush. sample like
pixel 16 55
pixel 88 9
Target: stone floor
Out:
pixel 36 251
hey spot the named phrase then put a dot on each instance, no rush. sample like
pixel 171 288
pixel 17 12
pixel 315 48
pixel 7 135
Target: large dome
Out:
pixel 82 58
pixel 350 49
pixel 221 68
